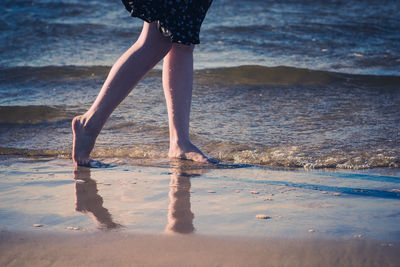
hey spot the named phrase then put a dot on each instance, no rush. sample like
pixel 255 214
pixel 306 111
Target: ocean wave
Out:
pixel 280 157
pixel 290 76
pixel 34 153
pixel 33 115
pixel 28 74
pixel 240 75
pixel 295 157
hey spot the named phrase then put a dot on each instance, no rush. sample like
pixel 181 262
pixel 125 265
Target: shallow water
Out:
pixel 190 198
pixel 334 104
pixel 250 114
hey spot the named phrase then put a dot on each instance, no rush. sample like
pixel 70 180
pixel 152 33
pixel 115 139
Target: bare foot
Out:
pixel 189 152
pixel 83 142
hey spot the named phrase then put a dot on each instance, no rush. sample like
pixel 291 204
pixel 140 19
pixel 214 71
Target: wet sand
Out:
pixel 185 214
pixel 121 249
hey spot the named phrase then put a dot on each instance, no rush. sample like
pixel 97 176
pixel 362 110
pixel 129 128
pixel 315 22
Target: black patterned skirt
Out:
pixel 180 20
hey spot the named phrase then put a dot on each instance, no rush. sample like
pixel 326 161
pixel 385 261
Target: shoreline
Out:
pixel 188 197
pixel 189 214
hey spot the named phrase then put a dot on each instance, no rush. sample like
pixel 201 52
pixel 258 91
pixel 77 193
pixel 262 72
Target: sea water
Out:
pixel 50 195
pixel 308 84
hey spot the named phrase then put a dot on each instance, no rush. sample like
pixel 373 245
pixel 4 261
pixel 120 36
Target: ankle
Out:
pixel 188 151
pixel 179 143
pixel 86 125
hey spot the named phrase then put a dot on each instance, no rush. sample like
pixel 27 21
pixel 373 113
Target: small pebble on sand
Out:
pixel 255 192
pixel 311 230
pixel 268 199
pixel 237 191
pixel 72 228
pixel 211 191
pixel 38 225
pixel 262 216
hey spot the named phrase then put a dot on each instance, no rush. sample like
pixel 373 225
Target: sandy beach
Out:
pixel 300 102
pixel 118 249
pixel 187 214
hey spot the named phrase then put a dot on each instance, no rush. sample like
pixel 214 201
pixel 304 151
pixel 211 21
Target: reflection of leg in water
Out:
pixel 180 217
pixel 89 201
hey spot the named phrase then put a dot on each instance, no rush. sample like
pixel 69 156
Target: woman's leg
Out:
pixel 129 69
pixel 178 83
